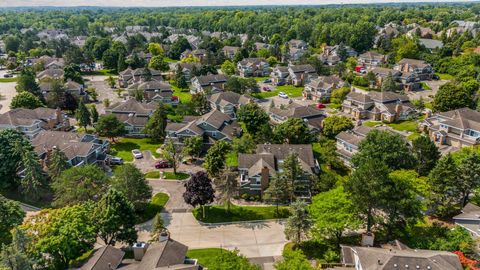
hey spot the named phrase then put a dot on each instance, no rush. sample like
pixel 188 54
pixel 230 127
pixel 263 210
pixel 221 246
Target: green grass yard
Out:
pixel 8 80
pixel 261 79
pixel 290 90
pixel 407 125
pixel 124 146
pixel 155 205
pixel 444 76
pixel 205 256
pixel 177 176
pixel 183 94
pixel 103 72
pixel 425 86
pixel 153 174
pixel 219 214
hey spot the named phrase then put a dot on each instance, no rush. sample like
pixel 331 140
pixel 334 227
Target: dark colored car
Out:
pixel 8 75
pixel 161 164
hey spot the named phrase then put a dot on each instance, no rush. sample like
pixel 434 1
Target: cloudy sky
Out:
pixel 164 3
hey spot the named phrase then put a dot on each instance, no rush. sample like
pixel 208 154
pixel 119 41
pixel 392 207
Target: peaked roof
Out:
pixel 132 106
pixel 230 97
pixel 168 254
pixel 104 258
pixel 464 118
pixel 213 78
pixel 26 117
pixel 295 110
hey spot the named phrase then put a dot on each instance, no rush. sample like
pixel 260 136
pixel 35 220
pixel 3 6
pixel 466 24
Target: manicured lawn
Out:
pixel 371 123
pixel 205 256
pixel 232 159
pixel 261 79
pixel 290 90
pixel 444 76
pixel 425 86
pixel 413 136
pixel 334 106
pixel 408 125
pixel 183 94
pixel 7 80
pixel 177 176
pixel 124 146
pixel 154 206
pixel 218 213
pixel 153 174
pixel 103 72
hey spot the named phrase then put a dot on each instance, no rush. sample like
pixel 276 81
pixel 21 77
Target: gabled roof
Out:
pixel 132 106
pixel 295 110
pixel 206 80
pixel 154 85
pixel 332 81
pixel 372 56
pixel 214 118
pixel 469 212
pixel 26 117
pixel 104 258
pixel 168 254
pixel 413 63
pixel 53 73
pixel 230 97
pixel 70 143
pixel 464 118
pixel 302 68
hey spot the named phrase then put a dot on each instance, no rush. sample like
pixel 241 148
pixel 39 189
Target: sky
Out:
pixel 169 3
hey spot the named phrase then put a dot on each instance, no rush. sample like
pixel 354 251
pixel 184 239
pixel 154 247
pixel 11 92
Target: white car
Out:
pixel 115 160
pixel 282 95
pixel 137 154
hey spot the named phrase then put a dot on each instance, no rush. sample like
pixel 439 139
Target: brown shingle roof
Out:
pixel 26 117
pixel 104 258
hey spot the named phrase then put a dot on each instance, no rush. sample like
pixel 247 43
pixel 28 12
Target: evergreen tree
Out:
pixel 56 97
pixel 94 113
pixel 444 191
pixel 157 123
pixel 26 82
pixel 14 256
pixel 121 64
pixel 277 191
pixel 33 176
pixel 57 162
pixel 83 116
pixel 469 176
pixel 299 223
pixel 114 217
pixel 389 85
pixel 129 180
pixel 426 154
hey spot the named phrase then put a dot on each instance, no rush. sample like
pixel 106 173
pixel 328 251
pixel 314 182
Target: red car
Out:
pixel 162 164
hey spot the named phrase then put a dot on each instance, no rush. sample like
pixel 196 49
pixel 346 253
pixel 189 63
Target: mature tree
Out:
pixel 200 103
pixel 335 124
pixel 452 96
pixel 180 80
pixel 10 140
pixel 227 187
pixel 231 260
pixel 109 126
pixel 83 116
pixel 33 176
pixel 155 49
pixel 333 212
pixel 114 217
pixel 157 123
pixel 426 154
pixel 253 117
pixel 469 176
pixel 228 68
pixel 179 46
pixel 61 234
pixel 172 153
pixel 192 146
pixel 365 187
pixel 244 144
pixel 111 81
pixel 277 191
pixel 129 180
pixel 215 159
pixel 94 113
pixel 444 191
pixel 158 63
pixel 339 95
pixel 79 184
pixel 12 43
pixel 389 84
pixel 70 102
pixel 11 215
pixel 293 259
pixel 57 162
pixel 299 223
pixel 293 131
pixel 26 83
pixel 293 172
pixel 14 256
pixel 73 72
pixel 199 190
pixel 387 147
pixel 56 96
pixel 25 100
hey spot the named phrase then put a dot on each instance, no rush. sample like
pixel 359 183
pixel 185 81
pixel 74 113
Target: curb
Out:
pixel 241 222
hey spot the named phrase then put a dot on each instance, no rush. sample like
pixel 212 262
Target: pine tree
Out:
pixel 94 113
pixel 33 176
pixel 299 223
pixel 83 116
pixel 156 125
pixel 57 162
pixel 277 191
pixel 443 181
pixel 121 64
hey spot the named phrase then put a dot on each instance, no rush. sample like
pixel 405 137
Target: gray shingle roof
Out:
pixel 104 258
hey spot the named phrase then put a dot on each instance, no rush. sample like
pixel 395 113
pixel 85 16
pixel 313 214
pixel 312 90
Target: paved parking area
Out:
pixel 103 91
pixel 7 92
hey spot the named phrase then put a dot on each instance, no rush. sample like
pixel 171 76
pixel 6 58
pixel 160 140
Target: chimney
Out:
pixel 58 113
pixel 398 109
pixel 368 239
pixel 139 250
pixel 264 178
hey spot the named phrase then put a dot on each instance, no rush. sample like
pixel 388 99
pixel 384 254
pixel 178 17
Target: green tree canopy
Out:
pixel 293 131
pixel 25 100
pixel 335 124
pixel 253 117
pixel 12 215
pixel 157 123
pixel 109 126
pixel 215 159
pixel 129 180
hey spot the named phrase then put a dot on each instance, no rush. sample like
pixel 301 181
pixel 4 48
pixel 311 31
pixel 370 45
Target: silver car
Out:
pixel 137 154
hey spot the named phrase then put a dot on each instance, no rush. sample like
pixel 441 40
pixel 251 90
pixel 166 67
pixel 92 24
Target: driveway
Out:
pixel 103 91
pixel 428 94
pixel 146 163
pixel 7 92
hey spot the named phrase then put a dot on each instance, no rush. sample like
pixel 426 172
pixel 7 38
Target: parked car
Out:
pixel 266 89
pixel 115 160
pixel 282 95
pixel 137 154
pixel 8 75
pixel 281 83
pixel 162 164
pixel 267 81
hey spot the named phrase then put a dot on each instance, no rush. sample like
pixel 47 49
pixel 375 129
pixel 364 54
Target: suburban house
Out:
pixel 50 74
pixel 47 62
pixel 133 114
pixel 419 31
pixel 298 44
pixel 200 54
pixel 279 75
pixel 322 87
pixel 295 54
pixel 208 83
pixel 458 128
pixel 74 88
pixel 469 219
pixel 331 55
pixel 79 148
pixel 163 254
pixel 378 106
pixel 130 76
pixel 300 75
pixel 431 44
pixel 389 31
pixel 261 45
pixel 422 69
pixel 407 81
pixel 256 67
pixel 187 69
pixel 230 51
pixel 396 256
pixel 31 122
pixel 159 91
pixel 348 141
pixel 372 59
pixel 257 169
pixel 312 116
pixel 213 126
pixel 228 102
